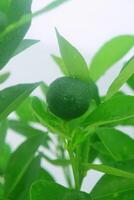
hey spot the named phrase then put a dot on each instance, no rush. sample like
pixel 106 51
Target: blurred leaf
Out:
pixel 57 162
pixel 44 116
pixel 25 111
pixel 45 190
pixel 122 78
pixel 3 132
pixel 21 191
pixel 73 60
pixel 119 145
pixel 99 146
pixel 10 41
pixel 45 175
pixel 59 61
pixel 130 82
pixel 111 52
pixel 54 4
pixel 27 130
pixel 32 174
pixel 12 97
pixel 20 161
pixel 4 5
pixel 5 149
pixel 5 153
pixel 44 88
pixel 112 187
pixel 4 77
pixel 1 191
pixel 116 109
pixel 25 44
pixel 110 170
pixel 41 189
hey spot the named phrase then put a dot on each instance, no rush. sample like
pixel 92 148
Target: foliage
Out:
pixel 94 135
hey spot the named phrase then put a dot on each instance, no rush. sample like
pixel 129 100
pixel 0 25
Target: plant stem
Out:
pixel 67 177
pixel 75 169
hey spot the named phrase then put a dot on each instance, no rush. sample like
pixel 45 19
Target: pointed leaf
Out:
pixel 59 61
pixel 25 44
pixel 54 4
pixel 111 52
pixel 110 170
pixel 73 60
pixel 12 97
pixel 4 77
pixel 44 88
pixel 122 78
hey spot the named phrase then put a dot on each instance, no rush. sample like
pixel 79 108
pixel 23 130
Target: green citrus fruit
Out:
pixel 68 97
pixel 3 21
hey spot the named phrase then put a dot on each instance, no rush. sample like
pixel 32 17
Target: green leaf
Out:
pixel 12 97
pixel 45 175
pixel 1 191
pixel 130 82
pixel 3 132
pixel 27 130
pixel 59 61
pixel 57 162
pixel 54 4
pixel 50 190
pixel 110 170
pixel 116 109
pixel 109 54
pixel 73 60
pixel 4 5
pixel 21 191
pixel 112 187
pixel 20 161
pixel 45 190
pixel 10 41
pixel 25 44
pixel 25 111
pixel 5 154
pixel 5 149
pixel 122 78
pixel 32 174
pixel 4 77
pixel 123 148
pixel 44 88
pixel 46 118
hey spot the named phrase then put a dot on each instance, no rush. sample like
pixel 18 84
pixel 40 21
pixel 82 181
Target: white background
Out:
pixel 87 24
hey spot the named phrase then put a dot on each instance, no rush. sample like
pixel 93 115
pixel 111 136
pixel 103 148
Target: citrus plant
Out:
pixel 77 129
